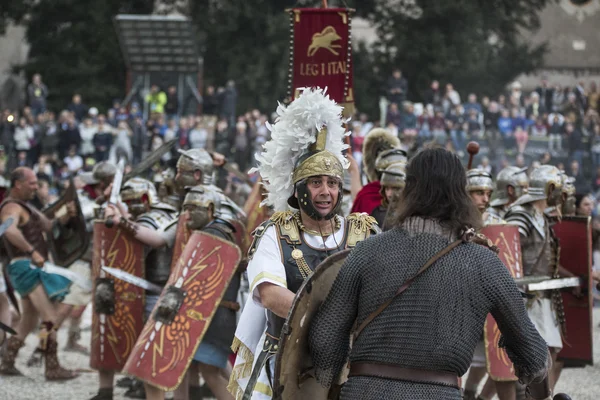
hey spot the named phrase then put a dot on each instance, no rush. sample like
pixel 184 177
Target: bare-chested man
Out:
pixel 39 291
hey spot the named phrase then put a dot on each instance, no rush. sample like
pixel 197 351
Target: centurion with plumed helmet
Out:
pixel 302 167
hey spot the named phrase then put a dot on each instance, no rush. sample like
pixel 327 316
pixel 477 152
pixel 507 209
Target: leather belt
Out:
pixel 231 305
pixel 398 373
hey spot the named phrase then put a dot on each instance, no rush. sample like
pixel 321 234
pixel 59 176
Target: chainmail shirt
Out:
pixel 434 325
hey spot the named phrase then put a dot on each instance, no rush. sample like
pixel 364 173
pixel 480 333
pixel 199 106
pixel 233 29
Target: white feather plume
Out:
pixel 294 130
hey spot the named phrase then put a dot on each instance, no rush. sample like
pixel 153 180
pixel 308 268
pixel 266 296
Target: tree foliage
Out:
pixel 74 45
pixel 475 44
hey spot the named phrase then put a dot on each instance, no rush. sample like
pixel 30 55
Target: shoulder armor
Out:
pixel 360 226
pixel 286 226
pixel 165 207
pixel 257 235
pixel 170 224
pixel 521 217
pixel 156 218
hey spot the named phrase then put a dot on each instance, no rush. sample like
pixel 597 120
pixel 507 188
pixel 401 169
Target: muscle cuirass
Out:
pixel 32 231
pixel 158 261
pixel 222 327
pixel 300 259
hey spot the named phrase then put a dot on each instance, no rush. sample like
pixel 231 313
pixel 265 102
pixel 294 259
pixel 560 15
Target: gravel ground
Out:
pixel 581 384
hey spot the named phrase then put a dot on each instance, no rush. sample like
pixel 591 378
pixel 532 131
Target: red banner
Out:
pixel 321 53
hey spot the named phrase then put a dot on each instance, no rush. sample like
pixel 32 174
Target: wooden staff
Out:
pixel 472 149
pixel 324 4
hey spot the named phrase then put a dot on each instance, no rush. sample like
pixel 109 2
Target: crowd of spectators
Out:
pixel 61 143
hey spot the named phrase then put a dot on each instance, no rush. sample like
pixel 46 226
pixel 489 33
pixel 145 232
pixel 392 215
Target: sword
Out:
pixel 70 275
pixel 552 284
pixel 116 188
pixel 151 159
pixel 528 280
pixel 5 225
pixel 134 280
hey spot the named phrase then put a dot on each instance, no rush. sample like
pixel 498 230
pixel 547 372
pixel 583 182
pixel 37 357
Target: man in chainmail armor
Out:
pixel 511 183
pixel 416 345
pixel 540 252
pixel 288 246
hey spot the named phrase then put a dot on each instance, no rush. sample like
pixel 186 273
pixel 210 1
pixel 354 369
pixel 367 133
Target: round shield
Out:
pixel 294 378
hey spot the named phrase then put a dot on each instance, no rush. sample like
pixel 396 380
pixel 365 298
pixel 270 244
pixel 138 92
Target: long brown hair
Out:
pixel 436 189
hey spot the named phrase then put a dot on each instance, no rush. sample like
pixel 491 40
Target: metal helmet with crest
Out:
pixel 196 160
pixel 198 201
pixel 510 176
pixel 541 180
pixel 477 179
pixel 307 140
pixel 135 190
pixel 394 176
pixel 389 157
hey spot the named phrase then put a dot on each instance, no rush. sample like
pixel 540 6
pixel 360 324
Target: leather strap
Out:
pixel 231 305
pixel 395 372
pixel 405 286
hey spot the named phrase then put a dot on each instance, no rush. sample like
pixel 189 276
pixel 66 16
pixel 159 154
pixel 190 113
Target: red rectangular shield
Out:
pixel 114 334
pixel 165 349
pixel 575 239
pixel 506 238
pixel 321 53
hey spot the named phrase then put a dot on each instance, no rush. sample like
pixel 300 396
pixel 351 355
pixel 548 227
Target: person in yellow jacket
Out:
pixel 156 99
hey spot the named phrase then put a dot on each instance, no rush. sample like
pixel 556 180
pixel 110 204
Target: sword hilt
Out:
pixel 109 223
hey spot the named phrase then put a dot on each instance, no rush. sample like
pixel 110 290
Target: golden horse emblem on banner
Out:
pixel 324 40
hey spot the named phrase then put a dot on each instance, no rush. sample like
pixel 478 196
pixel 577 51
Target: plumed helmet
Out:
pixel 376 141
pixel 540 180
pixel 197 159
pixel 478 179
pixel 394 176
pixel 389 157
pixel 307 140
pixel 510 176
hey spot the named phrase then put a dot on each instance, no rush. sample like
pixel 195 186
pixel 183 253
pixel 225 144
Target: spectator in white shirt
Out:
pixel 87 130
pixel 73 161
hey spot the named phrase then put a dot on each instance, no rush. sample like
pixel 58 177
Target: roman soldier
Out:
pixel 511 183
pixel 147 210
pixel 569 201
pixel 393 180
pixel 540 253
pixel 306 145
pixel 480 187
pixel 376 141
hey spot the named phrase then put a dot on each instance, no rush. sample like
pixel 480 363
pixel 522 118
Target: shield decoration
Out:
pixel 506 238
pixel 67 243
pixel 118 305
pixel 293 364
pixel 184 311
pixel 574 235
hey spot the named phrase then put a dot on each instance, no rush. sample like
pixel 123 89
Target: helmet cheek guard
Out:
pixel 304 202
